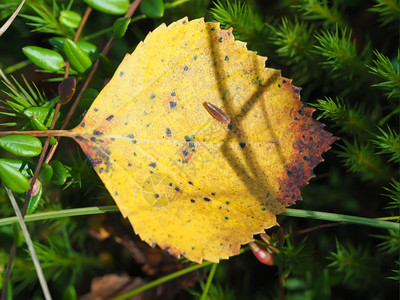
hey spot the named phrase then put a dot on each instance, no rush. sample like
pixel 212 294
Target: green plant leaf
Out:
pixel 112 7
pixel 44 58
pixel 106 65
pixel 79 60
pixel 120 26
pixel 22 145
pixel 35 200
pixel 19 164
pixel 90 49
pixel 46 173
pixel 13 178
pixel 70 19
pixel 59 172
pixel 152 8
pixel 43 114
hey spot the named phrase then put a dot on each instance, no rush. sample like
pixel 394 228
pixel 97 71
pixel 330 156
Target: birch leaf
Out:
pixel 198 143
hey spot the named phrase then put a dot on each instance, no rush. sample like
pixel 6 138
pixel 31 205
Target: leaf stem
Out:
pixel 38 133
pixel 161 280
pixel 28 240
pixel 62 214
pixel 319 215
pixel 209 280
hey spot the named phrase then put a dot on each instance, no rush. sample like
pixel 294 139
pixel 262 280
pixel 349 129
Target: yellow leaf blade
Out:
pixel 189 181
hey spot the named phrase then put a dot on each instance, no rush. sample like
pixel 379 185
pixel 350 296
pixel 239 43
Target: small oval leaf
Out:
pixel 66 89
pixel 19 164
pixel 70 19
pixel 59 172
pixel 79 60
pixel 90 49
pixel 112 7
pixel 22 145
pixel 152 8
pixel 44 58
pixel 13 178
pixel 120 26
pixel 46 173
pixel 42 114
pixel 35 199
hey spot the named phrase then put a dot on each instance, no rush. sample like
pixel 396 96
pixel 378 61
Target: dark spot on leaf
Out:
pixel 80 138
pixel 220 39
pixel 184 22
pixel 187 138
pixel 126 123
pixel 213 193
pixel 195 57
pixel 83 124
pixel 95 110
pixel 301 112
pixel 185 152
pixel 172 104
pixel 121 74
pixel 207 199
pixel 153 244
pixel 116 193
pixel 230 126
pixel 297 90
pixel 284 80
pixel 96 132
pixel 296 119
pixel 242 145
pixel 134 154
pixel 173 94
pixel 133 141
pixel 168 132
pixel 167 248
pixel 190 182
pixel 152 96
pixel 227 57
pixel 93 139
pixel 289 173
pixel 191 144
pixel 226 218
pixel 112 139
pixel 152 164
pixel 130 136
pixel 227 202
pixel 264 209
pixel 177 189
pixel 156 195
pixel 129 164
pixel 192 200
pixel 186 68
pixel 110 117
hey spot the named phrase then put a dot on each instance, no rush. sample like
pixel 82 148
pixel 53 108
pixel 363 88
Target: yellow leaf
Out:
pixel 198 143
